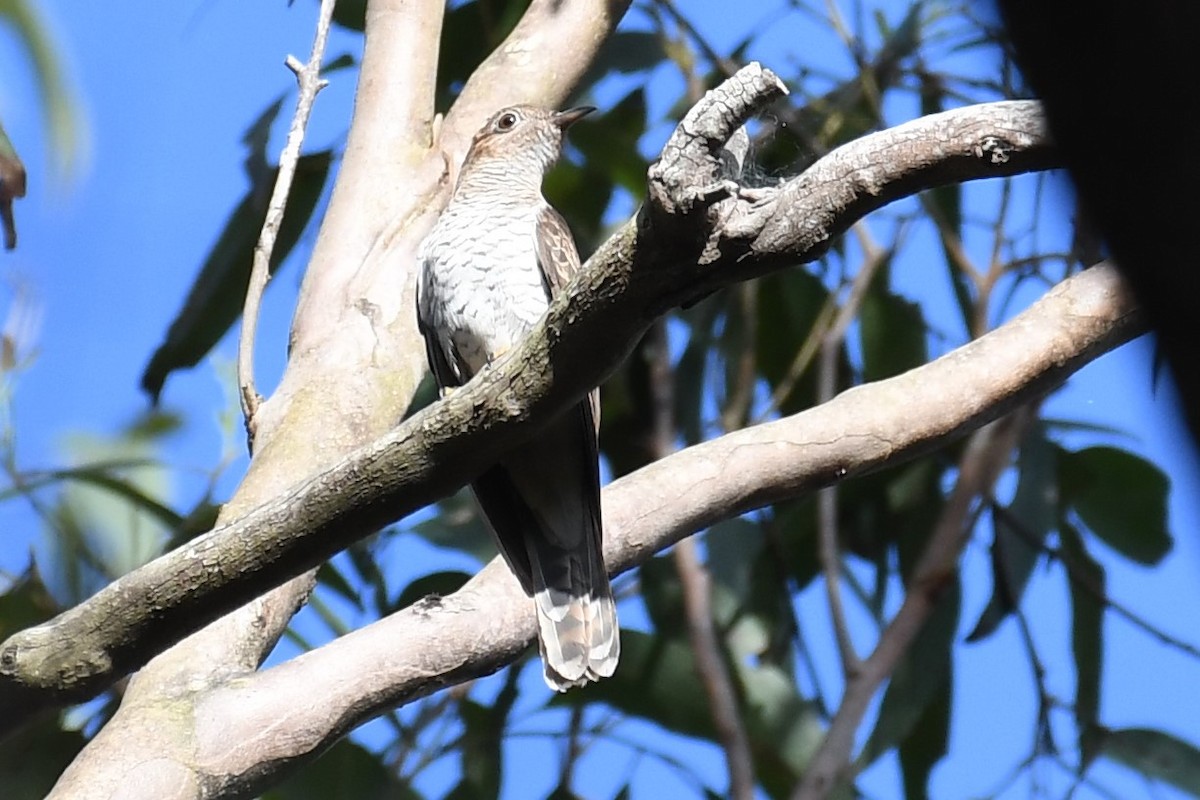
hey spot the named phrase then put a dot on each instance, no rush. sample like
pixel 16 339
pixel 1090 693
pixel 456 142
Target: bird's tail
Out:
pixel 577 626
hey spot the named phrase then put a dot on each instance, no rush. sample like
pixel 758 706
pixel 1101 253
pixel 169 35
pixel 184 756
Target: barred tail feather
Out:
pixel 577 636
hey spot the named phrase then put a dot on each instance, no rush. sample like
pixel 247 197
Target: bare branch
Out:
pixel 442 641
pixel 714 675
pixel 354 364
pixel 986 456
pixel 828 545
pixel 308 77
pixel 696 583
pixel 647 267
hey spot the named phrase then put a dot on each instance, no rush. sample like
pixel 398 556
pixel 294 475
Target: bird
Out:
pixel 488 269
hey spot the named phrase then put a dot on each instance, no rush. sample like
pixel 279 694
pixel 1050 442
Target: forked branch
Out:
pixel 698 232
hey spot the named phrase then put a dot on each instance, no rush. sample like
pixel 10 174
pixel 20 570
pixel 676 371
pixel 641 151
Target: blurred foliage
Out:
pixel 752 353
pixel 65 129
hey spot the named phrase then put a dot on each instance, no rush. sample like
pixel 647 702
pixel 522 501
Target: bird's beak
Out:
pixel 565 119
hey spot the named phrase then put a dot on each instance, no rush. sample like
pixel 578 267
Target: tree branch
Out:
pixel 696 583
pixel 308 77
pixel 986 456
pixel 690 238
pixel 828 547
pixel 268 722
pixel 355 361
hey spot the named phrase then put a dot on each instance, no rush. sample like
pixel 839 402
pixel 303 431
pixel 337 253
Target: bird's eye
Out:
pixel 506 121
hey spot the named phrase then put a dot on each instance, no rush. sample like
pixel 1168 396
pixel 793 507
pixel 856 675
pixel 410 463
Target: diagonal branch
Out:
pixel 828 546
pixel 308 76
pixel 689 239
pixel 354 365
pixel 987 454
pixel 442 641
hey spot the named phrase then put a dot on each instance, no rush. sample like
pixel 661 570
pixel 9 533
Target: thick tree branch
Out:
pixel 268 718
pixel 354 365
pixel 691 238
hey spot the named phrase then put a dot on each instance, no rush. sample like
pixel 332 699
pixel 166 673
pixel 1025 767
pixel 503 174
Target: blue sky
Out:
pixel 166 90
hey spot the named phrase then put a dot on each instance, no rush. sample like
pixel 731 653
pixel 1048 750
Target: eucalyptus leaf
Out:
pixel 1157 755
pixel 1019 532
pixel 1088 588
pixel 215 300
pixel 1121 497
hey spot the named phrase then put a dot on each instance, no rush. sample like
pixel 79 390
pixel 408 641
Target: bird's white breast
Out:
pixel 481 288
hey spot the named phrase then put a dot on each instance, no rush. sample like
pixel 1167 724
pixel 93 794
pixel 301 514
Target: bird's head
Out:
pixel 524 132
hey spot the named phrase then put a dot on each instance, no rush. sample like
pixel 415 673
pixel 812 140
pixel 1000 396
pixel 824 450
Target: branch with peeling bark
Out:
pixel 696 234
pixel 985 457
pixel 442 641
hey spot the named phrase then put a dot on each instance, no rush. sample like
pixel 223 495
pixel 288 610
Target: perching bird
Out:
pixel 489 269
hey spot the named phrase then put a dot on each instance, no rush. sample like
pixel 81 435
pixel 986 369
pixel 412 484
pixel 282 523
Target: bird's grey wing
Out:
pixel 556 253
pixel 558 260
pixel 558 476
pixel 446 366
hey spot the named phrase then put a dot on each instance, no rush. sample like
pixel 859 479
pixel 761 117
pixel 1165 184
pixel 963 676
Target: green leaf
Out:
pixel 1088 585
pixel 733 546
pixel 892 332
pixel 26 603
pixel 364 556
pixel 351 14
pixel 795 526
pixel 692 366
pixel 458 525
pixel 1121 497
pixel 481 745
pixel 215 300
pixel 609 142
pixel 784 729
pixel 926 743
pixel 470 31
pixel 345 770
pixel 33 758
pixel 852 108
pixel 1019 531
pixel 921 679
pixel 100 475
pixel 64 128
pixel 789 305
pixel 332 579
pixel 625 52
pixel 106 522
pixel 662 594
pixel 746 600
pixel 1157 755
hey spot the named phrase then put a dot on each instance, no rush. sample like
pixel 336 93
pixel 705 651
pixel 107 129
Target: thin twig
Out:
pixel 737 409
pixel 831 346
pixel 710 664
pixel 308 77
pixel 1080 578
pixel 726 66
pixel 986 456
pixel 694 580
pixel 574 749
pixel 996 266
pixel 800 363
